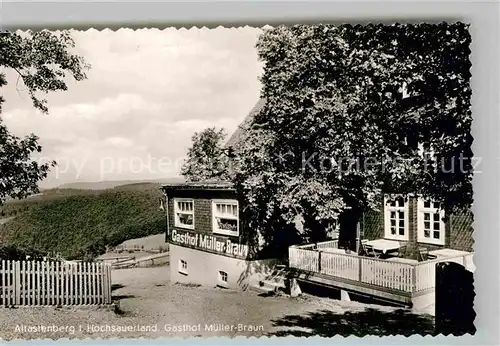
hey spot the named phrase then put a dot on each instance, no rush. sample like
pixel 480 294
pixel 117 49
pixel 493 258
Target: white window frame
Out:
pixel 421 210
pixel 183 267
pixel 215 214
pixel 221 281
pixel 177 221
pixel 387 219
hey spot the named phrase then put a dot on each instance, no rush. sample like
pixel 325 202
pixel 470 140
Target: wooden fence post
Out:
pixel 99 283
pixel 94 283
pixel 24 279
pixel 319 261
pixel 104 284
pixel 360 262
pixel 4 284
pixel 38 283
pixel 9 282
pixel 56 284
pixel 51 283
pixel 413 279
pixel 107 280
pixel 17 283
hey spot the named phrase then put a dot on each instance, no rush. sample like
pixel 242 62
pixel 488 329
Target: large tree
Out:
pixel 207 158
pixel 42 61
pixel 337 131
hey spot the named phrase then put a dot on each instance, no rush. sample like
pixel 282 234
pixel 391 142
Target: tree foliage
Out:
pixel 337 131
pixel 207 159
pixel 43 61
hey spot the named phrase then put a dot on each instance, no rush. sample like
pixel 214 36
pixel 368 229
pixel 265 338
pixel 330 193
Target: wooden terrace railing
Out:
pixel 328 244
pixel 406 277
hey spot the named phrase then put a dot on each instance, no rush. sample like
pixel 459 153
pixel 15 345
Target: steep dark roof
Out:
pixel 199 185
pixel 237 136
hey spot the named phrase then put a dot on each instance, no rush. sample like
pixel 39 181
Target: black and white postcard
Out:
pixel 301 180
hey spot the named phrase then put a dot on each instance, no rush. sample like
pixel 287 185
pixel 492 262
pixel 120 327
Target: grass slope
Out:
pixel 80 223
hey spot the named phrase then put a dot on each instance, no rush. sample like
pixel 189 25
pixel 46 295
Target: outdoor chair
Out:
pixel 402 251
pixel 431 256
pixel 362 247
pixel 423 254
pixel 367 250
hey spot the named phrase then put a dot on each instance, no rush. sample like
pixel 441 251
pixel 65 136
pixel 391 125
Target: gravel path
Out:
pixel 151 306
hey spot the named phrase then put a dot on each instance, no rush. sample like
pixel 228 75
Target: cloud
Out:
pixel 83 120
pixel 161 62
pixel 120 142
pixel 148 91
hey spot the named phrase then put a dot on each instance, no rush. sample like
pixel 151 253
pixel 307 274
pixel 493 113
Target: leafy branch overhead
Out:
pixel 207 159
pixel 352 112
pixel 43 61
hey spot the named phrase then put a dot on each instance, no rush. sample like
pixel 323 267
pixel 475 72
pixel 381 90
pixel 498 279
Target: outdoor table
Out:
pixel 383 245
pixel 443 253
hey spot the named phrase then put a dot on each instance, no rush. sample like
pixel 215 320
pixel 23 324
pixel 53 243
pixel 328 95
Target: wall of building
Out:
pixel 458 229
pixel 203 222
pixel 202 207
pixel 461 235
pixel 204 267
pixel 372 224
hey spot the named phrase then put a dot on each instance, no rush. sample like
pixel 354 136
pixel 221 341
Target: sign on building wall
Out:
pixel 210 243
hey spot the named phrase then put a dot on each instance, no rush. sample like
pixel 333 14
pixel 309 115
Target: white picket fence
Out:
pixel 35 283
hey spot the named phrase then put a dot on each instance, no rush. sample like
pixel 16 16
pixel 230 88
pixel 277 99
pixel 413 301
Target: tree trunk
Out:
pixel 315 230
pixel 348 221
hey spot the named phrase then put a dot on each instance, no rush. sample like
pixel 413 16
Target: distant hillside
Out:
pixel 79 223
pixel 102 185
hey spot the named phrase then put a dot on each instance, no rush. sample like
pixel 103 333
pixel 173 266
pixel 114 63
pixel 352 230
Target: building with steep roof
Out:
pixel 208 242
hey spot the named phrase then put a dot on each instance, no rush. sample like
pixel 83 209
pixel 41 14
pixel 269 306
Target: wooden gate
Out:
pixel 454 299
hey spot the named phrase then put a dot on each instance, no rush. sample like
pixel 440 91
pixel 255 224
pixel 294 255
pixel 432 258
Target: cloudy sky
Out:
pixel 146 94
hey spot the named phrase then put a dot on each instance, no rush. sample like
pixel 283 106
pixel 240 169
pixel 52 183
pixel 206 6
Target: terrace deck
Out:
pixel 396 280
